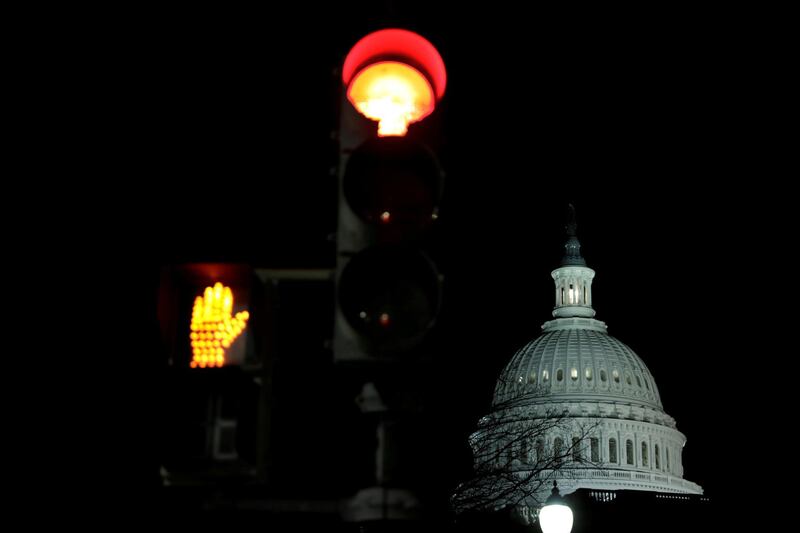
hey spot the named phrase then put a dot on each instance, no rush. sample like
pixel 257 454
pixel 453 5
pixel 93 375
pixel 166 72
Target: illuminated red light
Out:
pixel 395 77
pixel 384 319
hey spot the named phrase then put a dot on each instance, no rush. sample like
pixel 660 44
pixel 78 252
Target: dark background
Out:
pixel 649 123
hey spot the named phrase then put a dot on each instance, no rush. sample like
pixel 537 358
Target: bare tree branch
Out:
pixel 519 448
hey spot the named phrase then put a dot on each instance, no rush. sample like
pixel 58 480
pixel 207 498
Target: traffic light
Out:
pixel 211 344
pixel 388 289
pixel 204 313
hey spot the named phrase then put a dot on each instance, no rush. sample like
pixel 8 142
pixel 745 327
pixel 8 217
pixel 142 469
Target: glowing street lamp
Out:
pixel 555 516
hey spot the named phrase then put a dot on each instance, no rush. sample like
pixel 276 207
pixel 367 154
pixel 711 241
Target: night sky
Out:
pixel 639 125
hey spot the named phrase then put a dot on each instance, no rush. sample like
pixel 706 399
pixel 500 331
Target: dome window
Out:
pixel 638 382
pixel 666 452
pixel 523 452
pixel 646 384
pixel 644 454
pixel 629 451
pixel 603 376
pixel 657 458
pixel 574 294
pixel 615 373
pixel 594 446
pixel 612 450
pixel 628 379
pixel 589 374
pixel 559 375
pixel 532 378
pixel 558 444
pixel 573 374
pixel 545 376
pixel 576 450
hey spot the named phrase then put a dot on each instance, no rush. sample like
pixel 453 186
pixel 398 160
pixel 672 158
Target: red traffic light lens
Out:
pixel 395 77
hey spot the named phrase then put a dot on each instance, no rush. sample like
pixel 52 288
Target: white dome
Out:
pixel 575 359
pixel 578 371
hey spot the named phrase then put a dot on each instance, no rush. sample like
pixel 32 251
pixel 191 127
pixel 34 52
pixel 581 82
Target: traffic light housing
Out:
pixel 388 289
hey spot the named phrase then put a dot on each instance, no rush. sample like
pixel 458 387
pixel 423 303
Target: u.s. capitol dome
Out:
pixel 590 404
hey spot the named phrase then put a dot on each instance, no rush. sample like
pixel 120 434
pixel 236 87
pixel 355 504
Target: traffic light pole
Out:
pixel 388 290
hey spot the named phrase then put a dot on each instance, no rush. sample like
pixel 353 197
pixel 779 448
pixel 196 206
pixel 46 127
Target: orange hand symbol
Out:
pixel 213 329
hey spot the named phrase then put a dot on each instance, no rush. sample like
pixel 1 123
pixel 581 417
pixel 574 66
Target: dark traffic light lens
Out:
pixel 393 182
pixel 390 296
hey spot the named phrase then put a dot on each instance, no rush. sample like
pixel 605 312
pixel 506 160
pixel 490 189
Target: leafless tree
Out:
pixel 519 448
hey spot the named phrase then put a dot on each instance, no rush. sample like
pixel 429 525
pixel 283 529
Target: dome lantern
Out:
pixel 573 278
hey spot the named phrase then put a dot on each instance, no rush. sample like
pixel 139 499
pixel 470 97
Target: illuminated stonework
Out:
pixel 214 328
